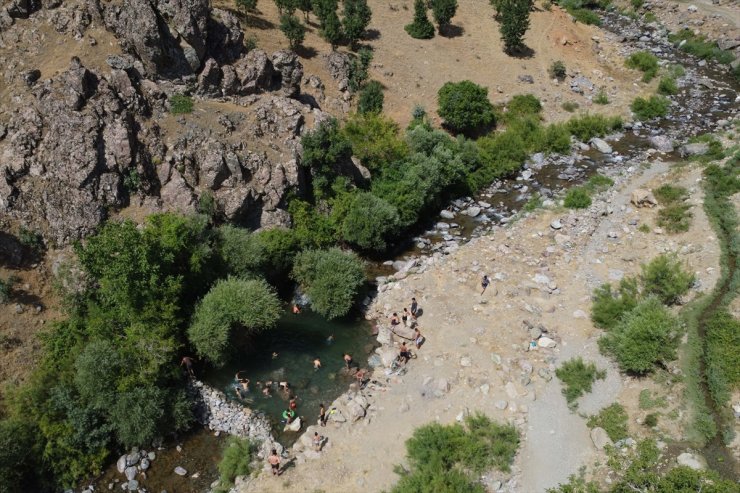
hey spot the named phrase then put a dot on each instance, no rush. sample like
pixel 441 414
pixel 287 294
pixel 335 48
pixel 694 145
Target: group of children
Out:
pixel 408 319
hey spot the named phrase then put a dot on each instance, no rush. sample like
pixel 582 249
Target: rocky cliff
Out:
pixel 81 142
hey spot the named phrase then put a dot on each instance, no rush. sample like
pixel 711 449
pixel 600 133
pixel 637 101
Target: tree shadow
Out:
pixel 522 52
pixel 371 35
pixel 251 20
pixel 307 52
pixel 452 31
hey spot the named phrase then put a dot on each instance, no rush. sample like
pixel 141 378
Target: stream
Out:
pixel 707 96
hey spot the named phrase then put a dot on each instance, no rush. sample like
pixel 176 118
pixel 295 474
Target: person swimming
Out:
pixel 316 364
pixel 330 339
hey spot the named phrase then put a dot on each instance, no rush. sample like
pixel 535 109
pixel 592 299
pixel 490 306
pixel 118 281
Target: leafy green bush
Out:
pixel 609 307
pixel 524 105
pixel 669 194
pixel 137 414
pixel 598 182
pixel 586 127
pixel 557 70
pixel 645 62
pixel 646 336
pixel 268 253
pixel 371 98
pixel 235 459
pixel 675 218
pixel 601 97
pixel 325 149
pixel 585 16
pixel 375 141
pixel 358 68
pixel 665 278
pixel 6 289
pixel 330 278
pixel 19 454
pixel 578 377
pixel 421 27
pixel 577 198
pixel 700 47
pixel 443 457
pixel 232 303
pixel 613 419
pixel 667 86
pixel 369 222
pixel 651 420
pixel 180 103
pixel 570 106
pixel 723 360
pixel 652 107
pixel 464 106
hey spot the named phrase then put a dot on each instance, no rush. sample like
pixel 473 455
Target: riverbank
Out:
pixel 474 358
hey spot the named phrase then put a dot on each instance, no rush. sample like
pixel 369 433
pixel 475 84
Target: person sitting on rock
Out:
pixel 288 415
pixel 394 320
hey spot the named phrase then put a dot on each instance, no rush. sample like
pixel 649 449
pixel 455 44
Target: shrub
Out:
pixel 371 98
pixel 442 458
pixel 235 459
pixel 534 203
pixel 675 218
pixel 667 86
pixel 585 16
pixel 665 278
pixel 700 47
pixel 556 139
pixel 18 457
pixel 357 16
pixel 6 289
pixel 325 149
pixel 723 360
pixel 443 11
pixel 670 194
pixel 137 414
pixel 613 419
pixel 246 5
pixel 514 22
pixel 716 151
pixel 646 336
pixel 98 358
pixel 330 278
pixel 609 307
pixel 645 62
pixel 647 402
pixel 598 182
pixel 586 127
pixel 293 29
pixel 374 139
pixel 577 198
pixel 652 107
pixel 524 105
pixel 464 106
pixel 420 28
pixel 557 70
pixel 246 255
pixel 601 97
pixel 180 103
pixel 578 377
pixel 369 222
pixel 637 4
pixel 231 303
pixel 570 106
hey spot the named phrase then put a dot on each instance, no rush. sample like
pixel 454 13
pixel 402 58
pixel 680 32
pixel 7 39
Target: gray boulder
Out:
pixel 601 145
pixel 600 438
pixel 696 149
pixel 289 71
pixel 662 143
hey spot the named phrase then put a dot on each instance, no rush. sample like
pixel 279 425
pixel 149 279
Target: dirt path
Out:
pixel 475 359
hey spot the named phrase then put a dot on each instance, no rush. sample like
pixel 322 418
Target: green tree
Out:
pixel 357 17
pixel 231 304
pixel 646 336
pixel 97 359
pixel 305 6
pixel 18 457
pixel 375 140
pixel 246 5
pixel 369 222
pixel 285 6
pixel 325 149
pixel 420 28
pixel 293 29
pixel 371 98
pixel 514 23
pixel 330 278
pixel 137 415
pixel 464 106
pixel 443 12
pixel 322 8
pixel 331 29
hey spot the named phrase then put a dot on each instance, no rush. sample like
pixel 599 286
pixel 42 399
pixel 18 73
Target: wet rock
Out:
pixel 601 145
pixel 662 143
pixel 130 472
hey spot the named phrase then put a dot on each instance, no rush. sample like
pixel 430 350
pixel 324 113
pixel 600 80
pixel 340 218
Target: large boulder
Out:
pixel 254 73
pixel 600 438
pixel 289 71
pixel 643 198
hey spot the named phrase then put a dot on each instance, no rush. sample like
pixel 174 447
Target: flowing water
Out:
pixel 707 95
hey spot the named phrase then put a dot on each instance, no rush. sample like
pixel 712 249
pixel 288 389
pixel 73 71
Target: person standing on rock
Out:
pixel 318 441
pixel 187 361
pixel 484 283
pixel 405 355
pixel 414 308
pixel 274 461
pixel 405 317
pixel 347 360
pixel 322 415
pixel 418 338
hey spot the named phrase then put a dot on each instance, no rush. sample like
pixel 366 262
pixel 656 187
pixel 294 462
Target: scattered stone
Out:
pixel 472 211
pixel 662 143
pixel 580 314
pixel 180 471
pixel 501 404
pixel 546 342
pixel 600 438
pixel 697 149
pixel 556 224
pixel 601 145
pixel 690 460
pixel 447 214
